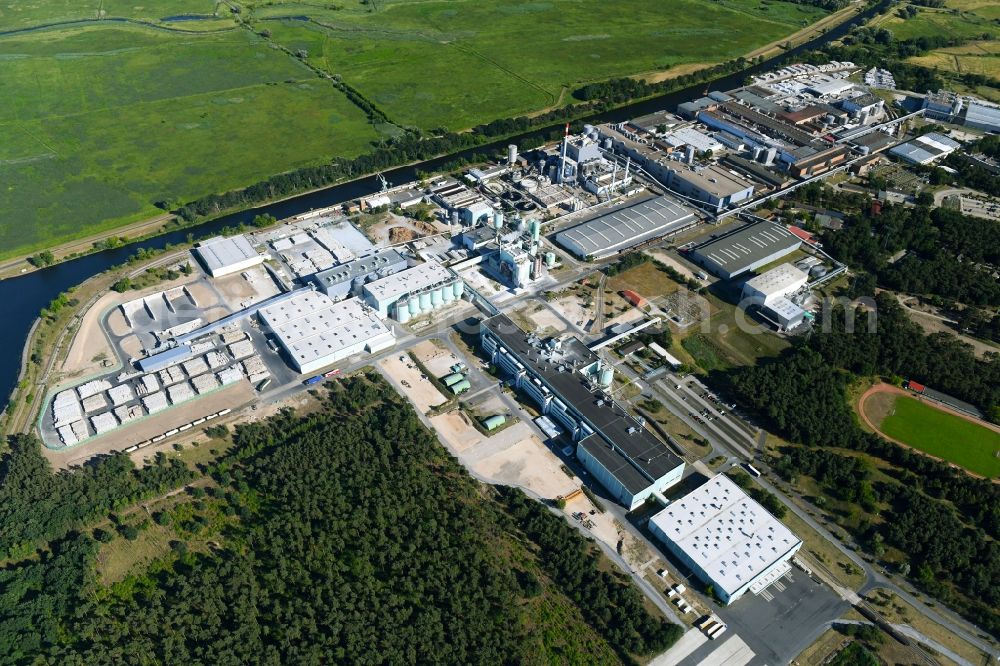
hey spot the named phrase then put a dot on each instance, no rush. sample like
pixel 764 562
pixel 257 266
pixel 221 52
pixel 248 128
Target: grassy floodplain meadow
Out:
pixel 114 110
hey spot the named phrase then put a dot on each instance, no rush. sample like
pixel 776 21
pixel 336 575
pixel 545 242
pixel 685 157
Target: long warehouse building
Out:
pixel 626 227
pixel 729 540
pixel 745 249
pixel 566 379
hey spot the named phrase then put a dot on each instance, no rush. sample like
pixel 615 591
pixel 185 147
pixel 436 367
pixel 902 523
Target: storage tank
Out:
pixel 402 312
pixel 414 305
pixel 607 144
pixel 460 387
pixel 550 259
pixel 437 297
pixel 535 229
pixel 454 217
pixel 607 375
pixel 497 220
pixel 494 422
pixel 452 379
pixel 511 154
pixel 529 184
pixel 459 289
pixel 425 301
pixel 448 293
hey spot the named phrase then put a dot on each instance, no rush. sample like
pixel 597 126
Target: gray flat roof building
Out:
pixel 982 116
pixel 625 227
pixel 745 249
pixel 628 460
pixel 337 282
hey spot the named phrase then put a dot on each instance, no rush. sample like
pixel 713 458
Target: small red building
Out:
pixel 916 387
pixel 634 298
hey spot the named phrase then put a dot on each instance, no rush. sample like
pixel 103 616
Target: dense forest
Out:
pixel 352 537
pixel 947 254
pixel 945 522
pixel 37 506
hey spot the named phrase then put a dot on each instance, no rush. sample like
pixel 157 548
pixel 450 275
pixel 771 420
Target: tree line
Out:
pixel 947 254
pixel 38 506
pixel 802 395
pixel 354 538
pixel 627 89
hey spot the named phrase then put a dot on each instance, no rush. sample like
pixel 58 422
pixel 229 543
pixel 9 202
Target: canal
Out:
pixel 24 296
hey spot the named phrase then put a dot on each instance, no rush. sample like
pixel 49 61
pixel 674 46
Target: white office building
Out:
pixel 727 539
pixel 776 283
pixel 316 332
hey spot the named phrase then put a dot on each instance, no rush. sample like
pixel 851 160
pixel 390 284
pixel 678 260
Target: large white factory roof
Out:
pixel 830 87
pixel 780 280
pixel 411 280
pixel 311 325
pixel 727 534
pixel 688 136
pixel 223 255
pixel 925 149
pixel 626 227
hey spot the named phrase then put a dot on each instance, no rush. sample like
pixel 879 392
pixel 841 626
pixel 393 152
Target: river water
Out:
pixel 25 296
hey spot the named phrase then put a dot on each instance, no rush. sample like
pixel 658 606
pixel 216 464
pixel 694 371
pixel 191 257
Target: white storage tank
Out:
pixel 437 297
pixel 402 312
pixel 459 289
pixel 425 301
pixel 414 305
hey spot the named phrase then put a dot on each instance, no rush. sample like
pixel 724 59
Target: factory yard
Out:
pixel 407 378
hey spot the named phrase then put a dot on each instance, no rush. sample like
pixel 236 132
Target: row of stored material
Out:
pixel 174 431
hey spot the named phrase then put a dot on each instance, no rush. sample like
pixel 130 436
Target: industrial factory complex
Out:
pixel 554 315
pixel 569 382
pixel 320 288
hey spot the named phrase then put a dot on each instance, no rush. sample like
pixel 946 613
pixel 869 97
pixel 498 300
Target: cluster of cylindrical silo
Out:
pixel 432 299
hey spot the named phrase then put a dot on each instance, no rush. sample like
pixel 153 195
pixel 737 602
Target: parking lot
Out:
pixel 776 624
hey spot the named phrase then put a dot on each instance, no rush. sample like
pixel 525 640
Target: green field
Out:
pixel 102 121
pixel 967 20
pixel 457 63
pixel 100 124
pixel 944 435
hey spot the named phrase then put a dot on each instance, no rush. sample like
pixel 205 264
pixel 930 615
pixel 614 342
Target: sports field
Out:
pixel 918 424
pixel 133 106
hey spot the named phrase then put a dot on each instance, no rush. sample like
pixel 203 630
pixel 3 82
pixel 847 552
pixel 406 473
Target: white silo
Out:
pixel 511 154
pixel 402 309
